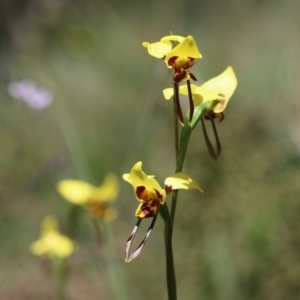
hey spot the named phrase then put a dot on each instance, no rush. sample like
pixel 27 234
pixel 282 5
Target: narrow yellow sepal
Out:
pixel 182 181
pixel 158 49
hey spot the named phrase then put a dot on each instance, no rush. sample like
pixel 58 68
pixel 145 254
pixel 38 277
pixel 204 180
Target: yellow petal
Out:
pixel 168 93
pixel 64 247
pixel 202 94
pixel 186 48
pixel 224 85
pixel 57 244
pixel 158 49
pixel 76 191
pixel 182 181
pixel 109 189
pixel 137 178
pixel 51 241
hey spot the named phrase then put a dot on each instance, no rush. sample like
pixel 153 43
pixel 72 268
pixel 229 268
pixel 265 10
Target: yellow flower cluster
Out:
pixel 179 53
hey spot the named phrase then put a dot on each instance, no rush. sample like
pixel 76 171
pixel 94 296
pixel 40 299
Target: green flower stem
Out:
pixel 170 270
pixel 180 151
pixel 164 211
pixel 191 102
pixel 59 272
pixel 176 105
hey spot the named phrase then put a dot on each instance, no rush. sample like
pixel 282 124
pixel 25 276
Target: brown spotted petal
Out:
pixel 147 209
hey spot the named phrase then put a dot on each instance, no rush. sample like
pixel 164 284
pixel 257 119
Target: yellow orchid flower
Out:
pixel 151 195
pixel 148 191
pixel 51 242
pixel 95 199
pixel 216 92
pixel 181 57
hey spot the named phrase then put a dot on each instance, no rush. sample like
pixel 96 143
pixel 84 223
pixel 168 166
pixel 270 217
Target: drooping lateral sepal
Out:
pixel 137 251
pixel 214 153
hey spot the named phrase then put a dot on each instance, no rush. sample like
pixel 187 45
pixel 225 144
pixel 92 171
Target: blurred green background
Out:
pixel 238 240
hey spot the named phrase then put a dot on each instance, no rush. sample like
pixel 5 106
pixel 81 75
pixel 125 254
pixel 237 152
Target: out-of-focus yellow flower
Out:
pixel 150 194
pixel 179 57
pixel 95 199
pixel 216 92
pixel 51 242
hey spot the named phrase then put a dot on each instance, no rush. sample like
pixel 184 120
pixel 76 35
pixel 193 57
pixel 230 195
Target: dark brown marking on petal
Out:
pixel 190 62
pixel 171 61
pixel 222 95
pixel 149 209
pixel 159 196
pixel 139 191
pixel 168 189
pixel 179 76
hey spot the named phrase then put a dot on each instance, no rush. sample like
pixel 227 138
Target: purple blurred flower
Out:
pixel 28 92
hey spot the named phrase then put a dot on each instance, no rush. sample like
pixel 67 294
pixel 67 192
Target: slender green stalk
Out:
pixel 176 103
pixel 170 270
pixel 180 151
pixel 191 102
pixel 59 272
